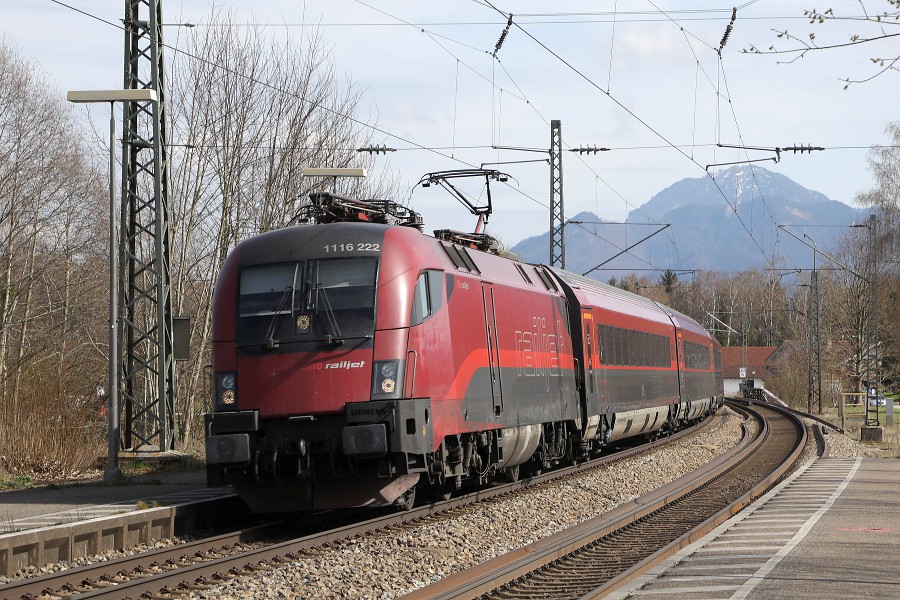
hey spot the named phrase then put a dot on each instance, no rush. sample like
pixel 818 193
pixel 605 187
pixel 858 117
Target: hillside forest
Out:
pixel 229 181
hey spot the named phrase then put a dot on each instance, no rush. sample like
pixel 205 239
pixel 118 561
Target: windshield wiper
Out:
pixel 335 338
pixel 271 343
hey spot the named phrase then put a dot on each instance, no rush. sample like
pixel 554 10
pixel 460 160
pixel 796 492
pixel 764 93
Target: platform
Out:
pixel 47 506
pixel 52 524
pixel 832 530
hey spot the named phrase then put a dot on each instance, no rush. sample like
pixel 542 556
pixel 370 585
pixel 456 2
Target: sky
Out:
pixel 643 78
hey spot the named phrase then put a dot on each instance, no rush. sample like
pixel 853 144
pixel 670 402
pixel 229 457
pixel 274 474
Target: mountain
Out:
pixel 729 223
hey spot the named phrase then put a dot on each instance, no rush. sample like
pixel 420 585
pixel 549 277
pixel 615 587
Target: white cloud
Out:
pixel 411 84
pixel 645 42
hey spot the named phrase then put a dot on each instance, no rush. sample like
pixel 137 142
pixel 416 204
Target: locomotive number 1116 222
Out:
pixel 352 247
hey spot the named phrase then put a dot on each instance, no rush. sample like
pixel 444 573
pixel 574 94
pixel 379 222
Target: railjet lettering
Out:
pixel 537 352
pixel 344 364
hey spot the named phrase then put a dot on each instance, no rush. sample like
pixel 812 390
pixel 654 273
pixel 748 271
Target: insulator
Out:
pixel 725 37
pixel 728 29
pixel 503 35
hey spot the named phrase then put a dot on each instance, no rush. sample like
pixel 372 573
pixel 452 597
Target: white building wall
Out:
pixel 732 386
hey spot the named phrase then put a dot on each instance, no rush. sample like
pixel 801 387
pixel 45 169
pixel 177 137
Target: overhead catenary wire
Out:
pixel 292 94
pixel 612 45
pixel 494 128
pixel 741 137
pixel 517 190
pixel 640 120
pixel 270 86
pixel 419 147
pixel 434 37
pixel 596 175
pixel 721 76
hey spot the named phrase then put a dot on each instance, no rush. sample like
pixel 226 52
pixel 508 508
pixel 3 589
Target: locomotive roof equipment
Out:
pixel 328 207
pixel 443 178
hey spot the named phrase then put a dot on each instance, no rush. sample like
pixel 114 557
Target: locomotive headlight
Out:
pixel 228 397
pixel 226 390
pixel 387 378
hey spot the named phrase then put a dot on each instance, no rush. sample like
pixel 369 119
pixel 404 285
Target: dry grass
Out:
pixel 854 420
pixel 43 438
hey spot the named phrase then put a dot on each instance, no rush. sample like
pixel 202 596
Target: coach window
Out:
pixel 427 297
pixel 642 340
pixel 632 347
pixel 601 346
pixel 619 348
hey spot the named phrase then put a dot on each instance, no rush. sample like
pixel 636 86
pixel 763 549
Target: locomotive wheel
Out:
pixel 443 491
pixel 573 453
pixel 406 501
pixel 532 468
pixel 511 474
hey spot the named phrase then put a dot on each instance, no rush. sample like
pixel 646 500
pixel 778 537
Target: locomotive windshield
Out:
pixel 327 299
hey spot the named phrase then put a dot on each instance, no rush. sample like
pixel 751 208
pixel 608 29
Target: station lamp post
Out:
pixel 113 472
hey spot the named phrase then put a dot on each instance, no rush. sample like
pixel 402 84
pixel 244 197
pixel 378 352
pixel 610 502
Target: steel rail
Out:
pixel 793 411
pixel 179 576
pixel 82 578
pixel 779 471
pixel 509 569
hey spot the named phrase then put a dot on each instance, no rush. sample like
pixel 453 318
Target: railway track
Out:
pixel 197 565
pixel 594 558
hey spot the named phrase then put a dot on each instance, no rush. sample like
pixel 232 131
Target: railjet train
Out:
pixel 357 360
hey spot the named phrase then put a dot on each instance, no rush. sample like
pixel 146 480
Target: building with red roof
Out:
pixel 746 362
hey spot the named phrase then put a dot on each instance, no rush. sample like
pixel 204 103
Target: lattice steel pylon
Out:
pixel 557 213
pixel 813 312
pixel 145 291
pixel 873 375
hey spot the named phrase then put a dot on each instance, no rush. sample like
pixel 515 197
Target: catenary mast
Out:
pixel 145 299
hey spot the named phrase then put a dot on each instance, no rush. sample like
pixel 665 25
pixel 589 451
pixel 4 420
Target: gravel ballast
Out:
pixel 392 563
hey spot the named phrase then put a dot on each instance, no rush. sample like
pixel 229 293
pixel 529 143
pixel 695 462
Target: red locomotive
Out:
pixel 357 359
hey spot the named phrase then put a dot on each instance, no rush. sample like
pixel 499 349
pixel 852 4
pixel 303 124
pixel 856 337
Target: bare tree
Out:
pixel 51 202
pixel 850 303
pixel 872 27
pixel 48 190
pixel 247 113
pixel 884 198
pixel 884 163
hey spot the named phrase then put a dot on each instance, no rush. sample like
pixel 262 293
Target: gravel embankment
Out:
pixel 840 445
pixel 408 557
pixel 405 558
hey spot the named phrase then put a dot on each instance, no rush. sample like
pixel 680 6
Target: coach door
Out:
pixel 493 349
pixel 591 407
pixel 587 323
pixel 602 361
